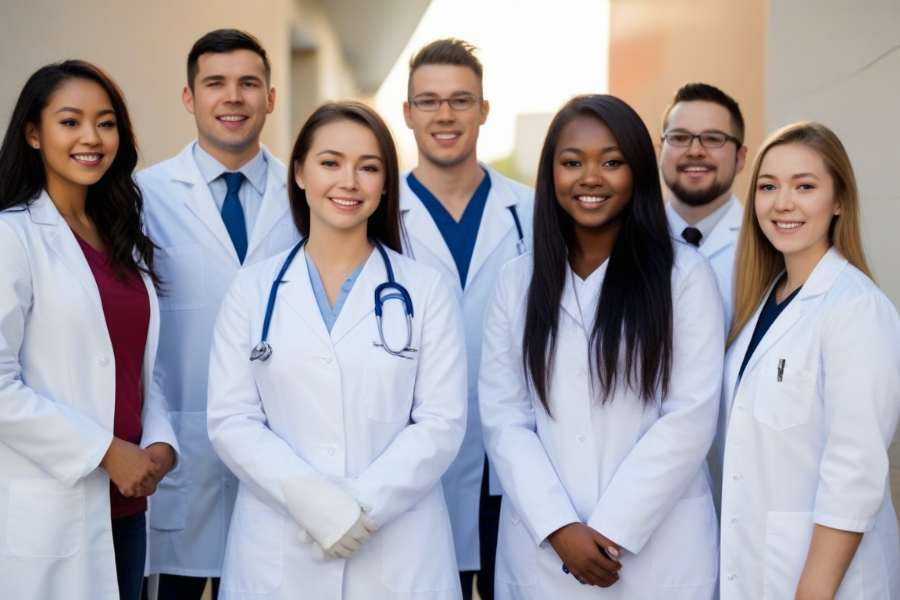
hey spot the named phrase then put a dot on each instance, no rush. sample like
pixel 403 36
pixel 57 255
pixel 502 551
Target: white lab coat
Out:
pixel 812 448
pixel 719 249
pixel 57 407
pixel 634 474
pixel 190 512
pixel 495 246
pixel 335 404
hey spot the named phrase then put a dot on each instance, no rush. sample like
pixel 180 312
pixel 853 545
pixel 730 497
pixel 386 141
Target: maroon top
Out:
pixel 126 307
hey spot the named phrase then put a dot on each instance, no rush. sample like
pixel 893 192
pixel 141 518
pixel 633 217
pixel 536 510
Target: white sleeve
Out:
pixel 668 456
pixel 55 436
pixel 860 375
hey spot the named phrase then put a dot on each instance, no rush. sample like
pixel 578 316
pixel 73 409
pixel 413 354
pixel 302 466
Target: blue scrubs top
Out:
pixel 770 312
pixel 459 237
pixel 329 314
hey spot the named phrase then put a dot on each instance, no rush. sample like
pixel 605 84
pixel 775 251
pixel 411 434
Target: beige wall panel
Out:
pixel 658 45
pixel 144 46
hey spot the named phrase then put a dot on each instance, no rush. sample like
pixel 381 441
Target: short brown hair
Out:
pixel 449 51
pixel 691 92
pixel 222 41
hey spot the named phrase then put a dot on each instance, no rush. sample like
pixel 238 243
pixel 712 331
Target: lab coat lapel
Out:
pixel 200 201
pixel 272 210
pixel 296 289
pixel 422 228
pixel 61 239
pixel 568 301
pixel 496 222
pixel 722 235
pixel 361 300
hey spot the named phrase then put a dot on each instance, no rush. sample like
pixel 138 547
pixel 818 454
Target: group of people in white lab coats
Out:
pixel 327 375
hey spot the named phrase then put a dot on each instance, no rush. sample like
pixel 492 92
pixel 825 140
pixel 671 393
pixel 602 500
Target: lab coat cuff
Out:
pixel 93 462
pixel 617 534
pixel 843 523
pixel 543 530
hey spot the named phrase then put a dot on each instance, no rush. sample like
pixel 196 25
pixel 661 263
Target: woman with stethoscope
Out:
pixel 83 431
pixel 338 388
pixel 811 393
pixel 599 381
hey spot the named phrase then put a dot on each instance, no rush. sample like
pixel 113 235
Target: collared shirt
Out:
pixel 460 237
pixel 330 315
pixel 251 195
pixel 705 226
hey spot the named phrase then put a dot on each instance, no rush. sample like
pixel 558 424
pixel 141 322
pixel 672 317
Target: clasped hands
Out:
pixel 330 518
pixel 137 471
pixel 588 555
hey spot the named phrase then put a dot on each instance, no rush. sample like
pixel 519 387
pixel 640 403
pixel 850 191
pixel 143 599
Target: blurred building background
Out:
pixel 835 61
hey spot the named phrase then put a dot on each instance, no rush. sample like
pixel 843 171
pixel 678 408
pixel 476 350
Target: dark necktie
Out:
pixel 233 214
pixel 692 236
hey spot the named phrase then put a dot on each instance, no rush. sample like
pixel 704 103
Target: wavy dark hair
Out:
pixel 634 314
pixel 114 203
pixel 384 224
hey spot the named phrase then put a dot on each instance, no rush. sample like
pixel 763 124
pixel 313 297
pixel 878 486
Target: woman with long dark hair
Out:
pixel 83 429
pixel 811 394
pixel 338 388
pixel 599 380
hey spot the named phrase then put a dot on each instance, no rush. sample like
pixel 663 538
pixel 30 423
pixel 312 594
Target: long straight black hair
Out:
pixel 114 203
pixel 384 224
pixel 631 342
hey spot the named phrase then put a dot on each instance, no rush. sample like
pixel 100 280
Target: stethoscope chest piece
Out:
pixel 261 352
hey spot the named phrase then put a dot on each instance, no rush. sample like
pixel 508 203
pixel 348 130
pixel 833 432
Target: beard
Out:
pixel 698 197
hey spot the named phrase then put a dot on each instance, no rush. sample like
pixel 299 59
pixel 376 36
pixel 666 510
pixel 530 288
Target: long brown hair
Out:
pixel 384 224
pixel 758 262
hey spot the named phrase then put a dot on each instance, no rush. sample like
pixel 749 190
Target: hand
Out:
pixel 355 537
pixel 130 468
pixel 579 547
pixel 163 455
pixel 320 507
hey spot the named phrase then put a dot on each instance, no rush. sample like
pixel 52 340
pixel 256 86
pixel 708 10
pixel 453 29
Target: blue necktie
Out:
pixel 233 214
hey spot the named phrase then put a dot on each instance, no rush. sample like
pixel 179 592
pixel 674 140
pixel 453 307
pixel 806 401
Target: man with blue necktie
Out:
pixel 219 204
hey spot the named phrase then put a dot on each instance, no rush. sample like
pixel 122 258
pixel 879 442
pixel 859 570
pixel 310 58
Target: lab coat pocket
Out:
pixel 168 506
pixel 254 554
pixel 46 518
pixel 389 384
pixel 516 550
pixel 181 269
pixel 417 549
pixel 788 535
pixel 685 546
pixel 786 403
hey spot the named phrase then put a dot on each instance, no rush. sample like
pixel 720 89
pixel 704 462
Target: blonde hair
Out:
pixel 757 262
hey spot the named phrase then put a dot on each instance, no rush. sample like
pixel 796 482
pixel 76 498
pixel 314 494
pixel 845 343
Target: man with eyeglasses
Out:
pixel 701 153
pixel 464 219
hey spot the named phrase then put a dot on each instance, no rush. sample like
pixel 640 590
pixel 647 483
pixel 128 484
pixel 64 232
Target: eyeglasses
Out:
pixel 457 103
pixel 707 140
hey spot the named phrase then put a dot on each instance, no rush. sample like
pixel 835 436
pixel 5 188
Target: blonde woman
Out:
pixel 812 388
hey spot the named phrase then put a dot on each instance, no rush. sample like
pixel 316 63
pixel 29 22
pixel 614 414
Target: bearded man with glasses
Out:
pixel 701 152
pixel 464 219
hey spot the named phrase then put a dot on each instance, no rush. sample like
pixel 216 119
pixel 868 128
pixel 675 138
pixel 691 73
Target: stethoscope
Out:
pixel 389 290
pixel 520 244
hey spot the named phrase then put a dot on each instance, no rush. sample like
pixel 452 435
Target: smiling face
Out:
pixel 697 175
pixel 343 176
pixel 77 137
pixel 230 101
pixel 445 138
pixel 593 182
pixel 795 202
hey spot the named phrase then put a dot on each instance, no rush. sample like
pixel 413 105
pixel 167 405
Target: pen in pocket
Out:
pixel 780 369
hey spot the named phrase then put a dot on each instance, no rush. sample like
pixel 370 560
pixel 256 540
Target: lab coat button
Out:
pixel 580 374
pixel 103 362
pixel 734 521
pixel 580 439
pixel 331 450
pixel 514 520
pixel 732 577
pixel 327 360
pixel 736 477
pixel 740 408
